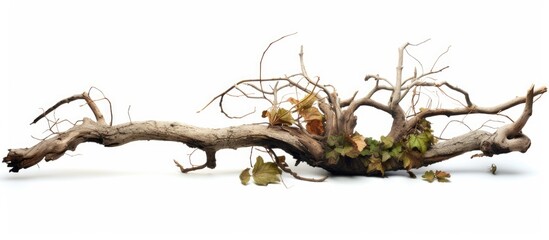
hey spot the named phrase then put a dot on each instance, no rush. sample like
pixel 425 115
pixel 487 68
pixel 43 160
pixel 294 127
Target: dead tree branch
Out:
pixel 85 96
pixel 210 140
pixel 331 144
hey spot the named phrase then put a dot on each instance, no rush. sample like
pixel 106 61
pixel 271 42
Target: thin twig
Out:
pixel 63 101
pixel 129 116
pixel 452 121
pixel 186 170
pixel 284 166
pixel 439 56
pixel 104 98
pixel 263 56
pixel 419 62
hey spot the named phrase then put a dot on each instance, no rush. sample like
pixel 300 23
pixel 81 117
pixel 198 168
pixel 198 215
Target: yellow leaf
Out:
pixel 306 102
pixel 310 114
pixel 278 116
pixel 358 141
pixel 293 101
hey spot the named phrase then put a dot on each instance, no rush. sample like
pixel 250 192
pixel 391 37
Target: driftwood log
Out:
pixel 337 119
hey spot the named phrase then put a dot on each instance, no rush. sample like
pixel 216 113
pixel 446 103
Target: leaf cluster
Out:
pixel 417 142
pixel 440 176
pixel 305 108
pixel 421 138
pixel 344 146
pixel 309 113
pixel 375 153
pixel 263 173
pixel 379 152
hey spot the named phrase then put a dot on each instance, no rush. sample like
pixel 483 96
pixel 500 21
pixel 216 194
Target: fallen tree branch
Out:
pixel 329 140
pixel 210 140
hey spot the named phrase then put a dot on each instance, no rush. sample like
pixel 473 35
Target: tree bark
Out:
pixel 209 140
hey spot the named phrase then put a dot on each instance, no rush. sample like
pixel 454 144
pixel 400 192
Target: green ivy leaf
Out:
pixel 419 142
pixel 265 173
pixel 365 152
pixel 372 144
pixel 385 156
pixel 334 141
pixel 344 150
pixel 387 142
pixel 429 176
pixel 396 151
pixel 245 176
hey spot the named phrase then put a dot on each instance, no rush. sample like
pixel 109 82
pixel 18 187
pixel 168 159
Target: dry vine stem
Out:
pixel 289 134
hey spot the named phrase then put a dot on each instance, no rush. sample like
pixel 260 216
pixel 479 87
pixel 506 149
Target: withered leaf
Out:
pixel 278 116
pixel 245 176
pixel 358 141
pixel 265 173
pixel 315 127
pixel 375 164
pixel 310 114
pixel 429 176
pixel 304 103
pixel 442 176
pixel 411 159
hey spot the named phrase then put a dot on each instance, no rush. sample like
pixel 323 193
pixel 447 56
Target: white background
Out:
pixel 167 59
